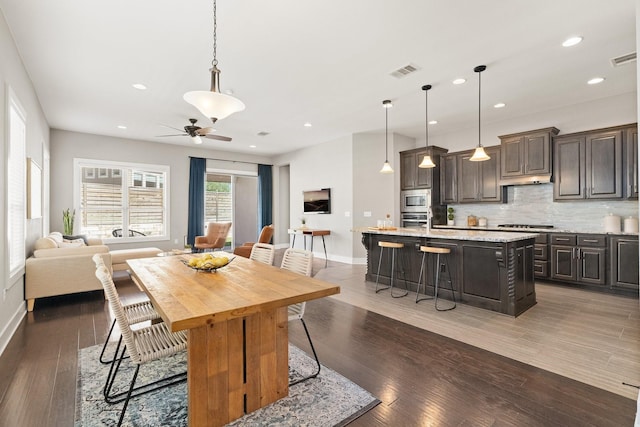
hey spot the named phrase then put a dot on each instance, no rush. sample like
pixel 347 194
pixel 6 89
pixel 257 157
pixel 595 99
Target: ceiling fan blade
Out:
pixel 218 137
pixel 205 131
pixel 180 134
pixel 171 127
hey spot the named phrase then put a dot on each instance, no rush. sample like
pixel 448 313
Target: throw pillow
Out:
pixel 81 242
pixel 71 244
pixel 79 236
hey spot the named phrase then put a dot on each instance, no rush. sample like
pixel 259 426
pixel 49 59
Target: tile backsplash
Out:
pixel 533 204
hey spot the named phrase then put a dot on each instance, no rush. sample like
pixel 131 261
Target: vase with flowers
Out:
pixel 68 217
pixel 450 216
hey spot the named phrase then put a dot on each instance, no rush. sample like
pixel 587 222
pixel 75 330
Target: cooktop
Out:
pixel 525 226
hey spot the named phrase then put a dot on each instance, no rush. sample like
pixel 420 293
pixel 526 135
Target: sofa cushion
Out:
pixel 120 256
pixel 45 243
pixel 71 251
pixel 56 236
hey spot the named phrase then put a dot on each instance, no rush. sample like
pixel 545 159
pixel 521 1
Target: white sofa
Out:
pixel 57 268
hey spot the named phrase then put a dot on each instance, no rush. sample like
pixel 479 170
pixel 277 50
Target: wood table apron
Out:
pixel 237 324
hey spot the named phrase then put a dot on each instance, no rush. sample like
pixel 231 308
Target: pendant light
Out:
pixel 479 155
pixel 426 161
pixel 386 168
pixel 214 104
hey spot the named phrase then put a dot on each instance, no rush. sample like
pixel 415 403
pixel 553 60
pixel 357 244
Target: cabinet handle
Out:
pixel 591 240
pixel 579 253
pixel 562 239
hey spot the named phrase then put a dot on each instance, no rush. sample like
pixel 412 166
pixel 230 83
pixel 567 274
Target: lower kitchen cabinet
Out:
pixel 578 258
pixel 624 262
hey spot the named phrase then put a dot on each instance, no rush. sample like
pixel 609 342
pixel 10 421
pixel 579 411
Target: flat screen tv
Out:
pixel 317 201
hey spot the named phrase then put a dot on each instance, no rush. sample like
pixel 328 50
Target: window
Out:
pixel 218 201
pixel 122 201
pixel 16 186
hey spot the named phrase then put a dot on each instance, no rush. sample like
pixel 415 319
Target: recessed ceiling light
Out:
pixel 458 81
pixel 139 86
pixel 307 125
pixel 572 41
pixel 433 122
pixel 121 127
pixel 252 146
pixel 499 105
pixel 595 80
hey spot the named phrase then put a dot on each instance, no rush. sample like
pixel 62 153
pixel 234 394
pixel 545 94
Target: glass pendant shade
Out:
pixel 196 139
pixel 479 155
pixel 386 168
pixel 427 162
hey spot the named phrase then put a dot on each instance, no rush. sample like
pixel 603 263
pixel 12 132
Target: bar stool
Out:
pixel 393 246
pixel 438 251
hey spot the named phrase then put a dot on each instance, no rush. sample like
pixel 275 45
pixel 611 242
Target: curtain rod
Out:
pixel 231 161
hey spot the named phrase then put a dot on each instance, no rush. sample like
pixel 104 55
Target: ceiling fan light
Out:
pixel 479 155
pixel 427 162
pixel 196 139
pixel 386 168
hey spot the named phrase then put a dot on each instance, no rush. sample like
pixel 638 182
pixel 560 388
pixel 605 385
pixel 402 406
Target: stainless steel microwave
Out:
pixel 415 200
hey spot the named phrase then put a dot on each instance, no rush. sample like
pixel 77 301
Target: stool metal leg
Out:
pixel 378 275
pixel 418 299
pixel 393 257
pixel 453 294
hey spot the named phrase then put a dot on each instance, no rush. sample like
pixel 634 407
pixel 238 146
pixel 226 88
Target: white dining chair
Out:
pixel 142 345
pixel 263 252
pixel 301 262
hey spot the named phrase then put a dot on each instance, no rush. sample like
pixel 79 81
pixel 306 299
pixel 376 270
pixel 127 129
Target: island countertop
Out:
pixel 473 235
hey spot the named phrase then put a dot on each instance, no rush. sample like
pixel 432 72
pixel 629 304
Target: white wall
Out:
pixel 65 146
pixel 245 210
pixel 13 74
pixel 327 165
pixel 281 202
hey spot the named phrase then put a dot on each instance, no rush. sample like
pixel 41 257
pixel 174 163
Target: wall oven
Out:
pixel 414 219
pixel 415 201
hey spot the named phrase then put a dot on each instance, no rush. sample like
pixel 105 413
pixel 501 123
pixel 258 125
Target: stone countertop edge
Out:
pixel 533 230
pixel 475 235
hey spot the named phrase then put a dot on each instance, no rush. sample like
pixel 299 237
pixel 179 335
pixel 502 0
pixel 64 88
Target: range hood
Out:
pixel 526 180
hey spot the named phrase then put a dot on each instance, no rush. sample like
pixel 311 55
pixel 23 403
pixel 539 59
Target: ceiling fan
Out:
pixel 196 132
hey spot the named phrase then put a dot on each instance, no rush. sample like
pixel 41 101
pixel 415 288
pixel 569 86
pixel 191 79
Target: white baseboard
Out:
pixel 12 325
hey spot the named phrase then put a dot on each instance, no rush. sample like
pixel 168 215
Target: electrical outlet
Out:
pixel 347 214
pixel 367 213
pixel 175 241
pixel 443 268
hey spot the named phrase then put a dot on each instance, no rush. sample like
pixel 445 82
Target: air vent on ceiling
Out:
pixel 623 59
pixel 263 133
pixel 405 71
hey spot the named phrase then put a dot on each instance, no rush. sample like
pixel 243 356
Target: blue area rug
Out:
pixel 328 400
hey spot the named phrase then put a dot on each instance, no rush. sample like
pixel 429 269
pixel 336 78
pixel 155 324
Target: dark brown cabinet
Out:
pixel 464 181
pixel 541 256
pixel 412 176
pixel 526 157
pixel 578 258
pixel 624 262
pixel 631 162
pixel 588 165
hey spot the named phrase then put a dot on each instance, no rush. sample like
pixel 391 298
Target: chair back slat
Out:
pixel 263 252
pixel 116 305
pixel 298 260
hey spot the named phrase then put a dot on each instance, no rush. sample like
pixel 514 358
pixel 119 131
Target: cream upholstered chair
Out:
pixel 265 237
pixel 300 261
pixel 263 252
pixel 215 238
pixel 135 313
pixel 143 345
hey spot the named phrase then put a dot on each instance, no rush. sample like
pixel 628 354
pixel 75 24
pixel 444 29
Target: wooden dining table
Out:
pixel 237 326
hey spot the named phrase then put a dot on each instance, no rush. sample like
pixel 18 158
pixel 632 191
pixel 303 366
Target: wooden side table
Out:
pixel 313 233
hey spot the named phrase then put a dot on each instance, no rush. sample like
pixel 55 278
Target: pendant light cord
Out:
pixel 426 115
pixel 214 62
pixel 386 134
pixel 479 94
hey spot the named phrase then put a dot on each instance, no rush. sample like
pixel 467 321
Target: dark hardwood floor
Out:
pixel 420 377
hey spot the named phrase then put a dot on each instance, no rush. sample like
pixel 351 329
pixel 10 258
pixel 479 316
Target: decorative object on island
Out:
pixel 479 155
pixel 426 161
pixel 68 217
pixel 386 168
pixel 450 216
pixel 303 222
pixel 214 104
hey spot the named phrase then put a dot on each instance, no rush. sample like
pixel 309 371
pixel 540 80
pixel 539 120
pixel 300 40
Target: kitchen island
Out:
pixel 489 269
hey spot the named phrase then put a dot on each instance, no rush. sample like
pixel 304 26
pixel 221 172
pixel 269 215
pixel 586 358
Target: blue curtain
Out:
pixel 265 196
pixel 198 168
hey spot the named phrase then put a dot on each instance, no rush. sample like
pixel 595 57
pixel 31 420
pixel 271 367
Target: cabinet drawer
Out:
pixel 541 268
pixel 563 239
pixel 542 238
pixel 592 240
pixel 540 252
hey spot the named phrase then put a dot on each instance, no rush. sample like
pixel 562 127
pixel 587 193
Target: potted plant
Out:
pixel 67 221
pixel 450 216
pixel 303 221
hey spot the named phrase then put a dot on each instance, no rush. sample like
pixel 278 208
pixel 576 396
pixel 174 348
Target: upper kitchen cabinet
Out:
pixel 588 165
pixel 631 161
pixel 526 156
pixel 449 179
pixel 479 182
pixel 412 176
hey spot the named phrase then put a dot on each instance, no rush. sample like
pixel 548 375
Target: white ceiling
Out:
pixel 324 62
